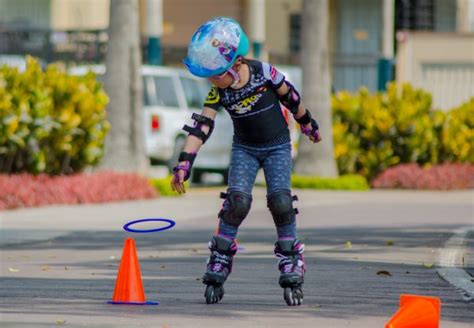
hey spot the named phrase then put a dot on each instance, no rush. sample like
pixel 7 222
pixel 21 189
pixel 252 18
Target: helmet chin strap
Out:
pixel 235 76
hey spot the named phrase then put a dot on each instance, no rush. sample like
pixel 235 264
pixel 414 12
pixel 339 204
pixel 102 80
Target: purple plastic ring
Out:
pixel 170 225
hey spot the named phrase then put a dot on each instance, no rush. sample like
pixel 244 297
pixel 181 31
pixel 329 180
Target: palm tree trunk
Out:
pixel 316 159
pixel 123 83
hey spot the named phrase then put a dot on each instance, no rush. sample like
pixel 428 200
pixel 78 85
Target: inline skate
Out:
pixel 219 267
pixel 292 269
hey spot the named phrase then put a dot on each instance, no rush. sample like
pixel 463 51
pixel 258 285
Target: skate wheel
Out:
pixel 213 294
pixel 293 296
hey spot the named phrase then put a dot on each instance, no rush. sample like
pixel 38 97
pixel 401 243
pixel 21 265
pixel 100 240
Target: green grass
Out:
pixel 345 182
pixel 163 186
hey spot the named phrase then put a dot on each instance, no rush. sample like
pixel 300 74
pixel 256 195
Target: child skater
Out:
pixel 251 92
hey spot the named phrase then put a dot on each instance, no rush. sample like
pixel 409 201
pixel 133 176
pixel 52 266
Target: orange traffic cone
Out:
pixel 416 312
pixel 128 285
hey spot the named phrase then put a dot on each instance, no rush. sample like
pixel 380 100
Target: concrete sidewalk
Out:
pixel 59 263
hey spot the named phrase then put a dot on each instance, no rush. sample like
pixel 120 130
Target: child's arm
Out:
pixel 197 136
pixel 292 100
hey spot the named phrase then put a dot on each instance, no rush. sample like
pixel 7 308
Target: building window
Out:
pixel 414 15
pixel 295 33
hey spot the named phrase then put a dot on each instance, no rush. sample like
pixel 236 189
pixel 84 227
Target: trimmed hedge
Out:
pixel 50 122
pixel 458 134
pixel 438 177
pixel 345 182
pixel 26 190
pixel 373 132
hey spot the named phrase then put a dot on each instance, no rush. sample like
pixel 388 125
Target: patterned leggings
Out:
pixel 245 163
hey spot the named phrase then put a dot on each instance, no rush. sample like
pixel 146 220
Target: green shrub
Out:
pixel 373 132
pixel 163 186
pixel 345 182
pixel 458 134
pixel 50 122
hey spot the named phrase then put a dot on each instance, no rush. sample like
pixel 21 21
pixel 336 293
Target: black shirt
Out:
pixel 255 109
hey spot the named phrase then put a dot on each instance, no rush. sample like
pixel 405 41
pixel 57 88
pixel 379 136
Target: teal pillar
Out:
pixel 385 73
pixel 154 51
pixel 257 49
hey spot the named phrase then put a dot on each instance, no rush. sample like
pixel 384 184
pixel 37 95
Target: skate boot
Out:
pixel 219 266
pixel 292 268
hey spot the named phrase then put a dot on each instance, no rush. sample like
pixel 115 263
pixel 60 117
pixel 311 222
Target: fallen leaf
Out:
pixel 60 322
pixel 384 273
pixel 45 268
pixel 389 242
pixel 428 265
pixel 13 269
pixel 348 245
pixel 163 267
pixel 194 250
pixel 66 268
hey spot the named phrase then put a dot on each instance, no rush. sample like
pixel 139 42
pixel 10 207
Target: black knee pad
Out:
pixel 280 204
pixel 236 207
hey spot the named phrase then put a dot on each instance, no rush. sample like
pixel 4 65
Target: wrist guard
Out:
pixel 305 119
pixel 188 158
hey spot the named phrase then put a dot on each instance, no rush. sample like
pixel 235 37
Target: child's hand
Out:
pixel 312 131
pixel 180 174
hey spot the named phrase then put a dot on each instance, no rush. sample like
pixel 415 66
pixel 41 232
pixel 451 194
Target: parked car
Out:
pixel 17 61
pixel 170 96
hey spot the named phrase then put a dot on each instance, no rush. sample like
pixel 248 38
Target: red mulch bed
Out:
pixel 26 190
pixel 449 176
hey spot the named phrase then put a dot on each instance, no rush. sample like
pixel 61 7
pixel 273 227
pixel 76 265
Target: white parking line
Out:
pixel 450 261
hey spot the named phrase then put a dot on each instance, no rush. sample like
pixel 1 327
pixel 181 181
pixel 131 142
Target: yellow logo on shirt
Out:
pixel 245 105
pixel 212 97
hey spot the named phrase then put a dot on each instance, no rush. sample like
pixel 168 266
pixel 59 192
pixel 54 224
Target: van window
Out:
pixel 195 91
pixel 149 92
pixel 159 91
pixel 165 91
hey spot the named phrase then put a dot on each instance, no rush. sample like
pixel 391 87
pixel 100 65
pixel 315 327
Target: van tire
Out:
pixel 196 176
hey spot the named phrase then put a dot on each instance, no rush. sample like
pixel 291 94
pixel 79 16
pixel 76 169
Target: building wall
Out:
pixel 25 13
pixel 277 24
pixel 182 17
pixel 441 63
pixel 79 14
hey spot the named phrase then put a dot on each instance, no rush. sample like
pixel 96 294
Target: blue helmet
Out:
pixel 215 46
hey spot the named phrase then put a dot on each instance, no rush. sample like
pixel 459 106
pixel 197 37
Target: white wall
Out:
pixel 441 63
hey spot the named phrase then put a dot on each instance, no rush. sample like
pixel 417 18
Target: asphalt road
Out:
pixel 59 263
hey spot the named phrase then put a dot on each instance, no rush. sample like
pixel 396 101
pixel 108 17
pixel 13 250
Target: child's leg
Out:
pixel 277 169
pixel 242 173
pixel 288 250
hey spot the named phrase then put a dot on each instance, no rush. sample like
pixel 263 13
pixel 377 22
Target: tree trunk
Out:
pixel 316 159
pixel 123 84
